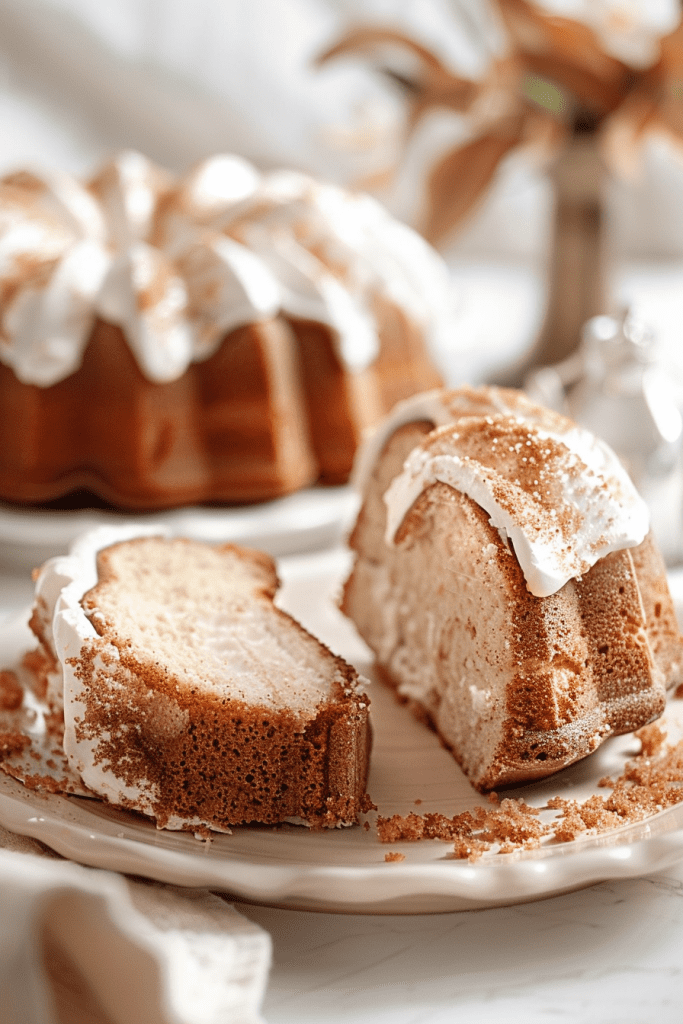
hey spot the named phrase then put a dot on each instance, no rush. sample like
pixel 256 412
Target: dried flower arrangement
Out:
pixel 559 87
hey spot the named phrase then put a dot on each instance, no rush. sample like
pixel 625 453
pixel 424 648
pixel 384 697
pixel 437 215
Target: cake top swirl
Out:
pixel 178 263
pixel 556 492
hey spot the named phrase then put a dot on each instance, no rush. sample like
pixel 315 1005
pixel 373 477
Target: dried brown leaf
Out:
pixel 460 180
pixel 432 83
pixel 567 52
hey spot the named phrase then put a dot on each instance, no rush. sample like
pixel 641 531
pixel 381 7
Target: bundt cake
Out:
pixel 185 694
pixel 506 580
pixel 226 336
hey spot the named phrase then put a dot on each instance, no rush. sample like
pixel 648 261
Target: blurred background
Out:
pixel 538 144
pixel 182 79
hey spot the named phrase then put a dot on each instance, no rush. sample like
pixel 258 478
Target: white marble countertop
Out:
pixel 609 954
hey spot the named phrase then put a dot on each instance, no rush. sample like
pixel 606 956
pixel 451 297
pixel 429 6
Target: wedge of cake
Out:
pixel 188 695
pixel 506 580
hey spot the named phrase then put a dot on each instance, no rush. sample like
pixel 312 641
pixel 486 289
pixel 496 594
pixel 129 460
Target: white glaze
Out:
pixel 61 584
pixel 594 486
pixel 429 406
pixel 179 263
pixel 439 407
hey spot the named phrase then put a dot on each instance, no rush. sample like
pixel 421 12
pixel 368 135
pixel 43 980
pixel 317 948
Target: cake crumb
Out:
pixel 45 783
pixel 11 691
pixel 13 742
pixel 513 821
pixel 399 827
pixel 651 737
pixel 394 856
pixel 413 827
pixel 39 666
pixel 470 849
pixel 417 802
pixel 203 834
pixel 649 783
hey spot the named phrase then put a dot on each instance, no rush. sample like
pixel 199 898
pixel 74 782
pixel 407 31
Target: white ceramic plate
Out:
pixel 345 870
pixel 310 519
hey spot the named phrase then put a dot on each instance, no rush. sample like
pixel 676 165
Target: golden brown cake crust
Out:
pixel 272 411
pixel 229 429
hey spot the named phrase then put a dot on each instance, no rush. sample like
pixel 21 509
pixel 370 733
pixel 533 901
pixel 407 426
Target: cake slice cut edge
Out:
pixel 187 695
pixel 517 686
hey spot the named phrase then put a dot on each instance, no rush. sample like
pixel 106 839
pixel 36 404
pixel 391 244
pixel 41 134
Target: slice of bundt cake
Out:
pixel 224 336
pixel 187 695
pixel 506 581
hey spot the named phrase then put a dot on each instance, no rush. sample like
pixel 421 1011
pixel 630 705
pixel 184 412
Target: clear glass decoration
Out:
pixel 616 385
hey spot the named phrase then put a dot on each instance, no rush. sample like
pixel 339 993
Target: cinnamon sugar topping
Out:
pixel 560 495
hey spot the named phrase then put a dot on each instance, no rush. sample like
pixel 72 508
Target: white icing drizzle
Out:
pixel 578 506
pixel 178 263
pixel 429 406
pixel 439 407
pixel 60 587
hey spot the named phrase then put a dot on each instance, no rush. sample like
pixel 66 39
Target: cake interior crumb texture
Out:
pixel 165 606
pixel 211 701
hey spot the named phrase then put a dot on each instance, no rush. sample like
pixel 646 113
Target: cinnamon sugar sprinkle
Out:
pixel 650 782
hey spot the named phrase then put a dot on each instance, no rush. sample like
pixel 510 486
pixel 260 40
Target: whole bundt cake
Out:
pixel 507 582
pixel 225 336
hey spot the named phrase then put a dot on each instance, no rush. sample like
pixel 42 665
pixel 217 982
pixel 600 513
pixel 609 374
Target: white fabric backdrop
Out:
pixel 179 79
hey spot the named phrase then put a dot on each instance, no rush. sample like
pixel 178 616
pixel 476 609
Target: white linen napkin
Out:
pixel 86 945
